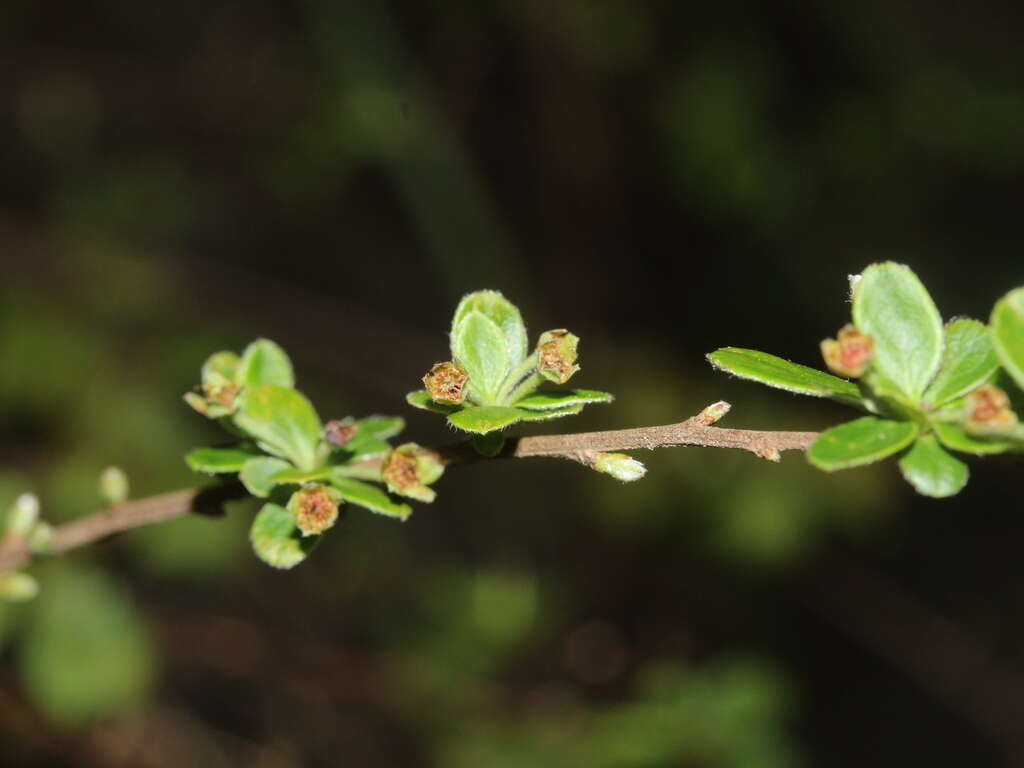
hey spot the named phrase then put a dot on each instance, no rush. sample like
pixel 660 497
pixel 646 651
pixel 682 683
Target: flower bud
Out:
pixel 409 469
pixel 23 515
pixel 619 465
pixel 556 355
pixel 17 586
pixel 113 485
pixel 988 410
pixel 850 354
pixel 315 508
pixel 339 432
pixel 715 411
pixel 445 383
pixel 196 402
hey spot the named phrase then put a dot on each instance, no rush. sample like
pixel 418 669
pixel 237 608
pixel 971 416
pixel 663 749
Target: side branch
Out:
pixel 581 447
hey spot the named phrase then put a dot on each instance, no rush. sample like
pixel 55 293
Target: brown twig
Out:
pixel 581 447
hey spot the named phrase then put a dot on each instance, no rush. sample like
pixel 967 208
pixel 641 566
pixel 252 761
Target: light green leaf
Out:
pixel 381 427
pixel 546 401
pixel 479 346
pixel 256 474
pixel 968 359
pixel 1008 333
pixel 892 305
pixel 220 460
pixel 295 476
pixel 859 442
pixel 365 444
pixel 283 421
pixel 422 400
pixel 86 652
pixel 220 367
pixel 370 497
pixel 953 436
pixel 484 419
pixel 556 413
pixel 782 374
pixel 276 539
pixel 264 362
pixel 503 313
pixel 931 470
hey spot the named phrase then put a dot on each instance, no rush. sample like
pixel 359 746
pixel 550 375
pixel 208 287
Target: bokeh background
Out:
pixel 663 178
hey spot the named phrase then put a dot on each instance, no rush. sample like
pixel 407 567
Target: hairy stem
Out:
pixel 580 447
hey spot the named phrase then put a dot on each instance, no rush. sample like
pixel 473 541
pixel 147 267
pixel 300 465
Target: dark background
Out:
pixel 663 178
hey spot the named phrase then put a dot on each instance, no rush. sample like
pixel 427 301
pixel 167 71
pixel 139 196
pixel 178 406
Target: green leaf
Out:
pixel 931 470
pixel 256 474
pixel 862 441
pixel 283 421
pixel 546 401
pixel 892 305
pixel 484 419
pixel 276 539
pixel 479 346
pixel 1008 333
pixel 954 436
pixel 381 427
pixel 365 444
pixel 782 374
pixel 220 367
pixel 219 460
pixel 557 413
pixel 422 400
pixel 370 497
pixel 503 313
pixel 86 652
pixel 264 362
pixel 295 476
pixel 968 359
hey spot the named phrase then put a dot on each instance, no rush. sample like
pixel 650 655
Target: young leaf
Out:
pixel 276 539
pixel 295 476
pixel 547 401
pixel 264 362
pixel 220 367
pixel 256 474
pixel 862 441
pixel 1008 333
pixel 422 400
pixel 381 427
pixel 370 497
pixel 283 421
pixel 484 419
pixel 503 313
pixel 931 470
pixel 954 436
pixel 782 374
pixel 891 304
pixel 480 348
pixel 365 444
pixel 555 413
pixel 219 460
pixel 968 359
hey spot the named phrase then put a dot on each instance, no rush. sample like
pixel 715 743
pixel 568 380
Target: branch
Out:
pixel 580 447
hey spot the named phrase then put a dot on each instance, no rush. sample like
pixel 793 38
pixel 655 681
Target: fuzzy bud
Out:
pixel 113 485
pixel 23 515
pixel 988 411
pixel 339 432
pixel 619 465
pixel 715 411
pixel 409 469
pixel 315 508
pixel 17 586
pixel 445 383
pixel 850 354
pixel 556 355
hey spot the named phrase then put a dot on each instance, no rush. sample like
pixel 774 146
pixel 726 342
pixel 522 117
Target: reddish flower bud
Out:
pixel 850 354
pixel 988 410
pixel 556 355
pixel 445 383
pixel 315 508
pixel 339 432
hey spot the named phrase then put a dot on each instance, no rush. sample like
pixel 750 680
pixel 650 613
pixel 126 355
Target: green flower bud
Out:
pixel 409 469
pixel 619 465
pixel 715 411
pixel 556 355
pixel 850 354
pixel 988 411
pixel 339 432
pixel 23 515
pixel 113 485
pixel 17 586
pixel 315 508
pixel 445 383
